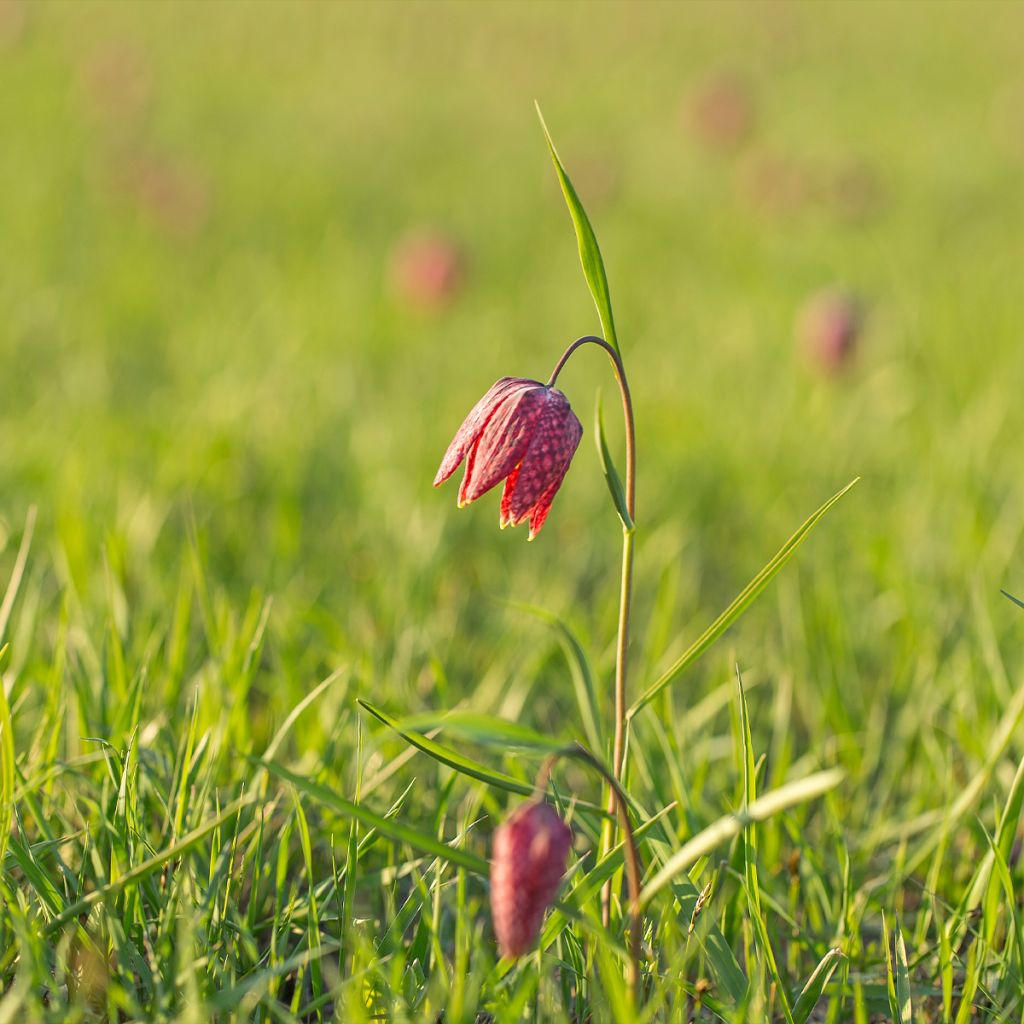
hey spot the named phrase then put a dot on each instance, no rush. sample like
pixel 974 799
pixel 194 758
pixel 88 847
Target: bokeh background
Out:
pixel 258 260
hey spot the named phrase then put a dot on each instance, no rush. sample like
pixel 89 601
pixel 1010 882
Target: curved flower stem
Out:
pixel 626 586
pixel 632 855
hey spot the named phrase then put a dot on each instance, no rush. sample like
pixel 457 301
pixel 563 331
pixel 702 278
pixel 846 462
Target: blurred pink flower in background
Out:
pixel 171 193
pixel 13 22
pixel 828 327
pixel 721 112
pixel 427 269
pixel 116 86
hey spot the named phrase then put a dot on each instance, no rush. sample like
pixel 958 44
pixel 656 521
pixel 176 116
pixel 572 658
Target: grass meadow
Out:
pixel 229 374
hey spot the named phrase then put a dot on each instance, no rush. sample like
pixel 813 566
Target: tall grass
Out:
pixel 228 418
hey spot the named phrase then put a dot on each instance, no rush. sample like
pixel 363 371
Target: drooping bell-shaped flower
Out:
pixel 527 865
pixel 522 432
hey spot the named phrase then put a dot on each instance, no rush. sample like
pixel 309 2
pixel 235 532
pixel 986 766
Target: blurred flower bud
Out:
pixel 828 327
pixel 427 269
pixel 721 112
pixel 530 850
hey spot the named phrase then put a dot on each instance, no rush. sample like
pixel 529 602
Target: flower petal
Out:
pixel 503 441
pixel 547 459
pixel 469 432
pixel 540 510
pixel 506 498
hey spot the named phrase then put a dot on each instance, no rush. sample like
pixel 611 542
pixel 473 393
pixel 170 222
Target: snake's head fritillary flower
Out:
pixel 530 849
pixel 522 432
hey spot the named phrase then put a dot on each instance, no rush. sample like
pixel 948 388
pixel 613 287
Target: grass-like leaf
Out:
pixel 480 728
pixel 611 474
pixel 579 666
pixel 752 884
pixel 6 769
pixel 590 253
pixel 6 727
pixel 385 826
pixel 449 757
pixel 731 825
pixel 811 992
pixel 903 1001
pixel 746 597
pixel 147 867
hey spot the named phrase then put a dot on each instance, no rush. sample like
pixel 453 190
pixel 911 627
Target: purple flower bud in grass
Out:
pixel 522 432
pixel 530 849
pixel 829 325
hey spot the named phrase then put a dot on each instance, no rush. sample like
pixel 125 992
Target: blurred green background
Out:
pixel 222 330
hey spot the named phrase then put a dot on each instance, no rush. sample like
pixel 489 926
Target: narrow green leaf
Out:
pixel 296 711
pixel 752 886
pixel 1016 600
pixel 611 474
pixel 731 825
pixel 6 726
pixel 945 967
pixel 6 769
pixel 480 728
pixel 579 666
pixel 971 980
pixel 890 974
pixel 449 757
pixel 393 829
pixel 590 253
pixel 811 993
pixel 248 990
pixel 147 867
pixel 739 605
pixel 18 572
pixel 906 1008
pixel 465 765
pixel 1009 822
pixel 586 887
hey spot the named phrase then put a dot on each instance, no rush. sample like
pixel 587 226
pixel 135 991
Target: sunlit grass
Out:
pixel 227 415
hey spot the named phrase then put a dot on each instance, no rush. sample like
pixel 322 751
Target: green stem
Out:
pixel 626 587
pixel 631 853
pixel 626 590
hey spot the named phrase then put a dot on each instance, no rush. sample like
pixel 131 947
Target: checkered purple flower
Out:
pixel 528 862
pixel 522 432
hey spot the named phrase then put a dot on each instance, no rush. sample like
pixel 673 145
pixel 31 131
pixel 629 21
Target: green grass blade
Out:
pixel 582 673
pixel 7 778
pixel 890 974
pixel 811 992
pixel 586 887
pixel 392 829
pixel 296 712
pixel 447 756
pixel 906 1007
pixel 731 825
pixel 489 730
pixel 6 769
pixel 590 253
pixel 1002 846
pixel 897 975
pixel 971 980
pixel 753 887
pixel 18 572
pixel 1016 600
pixel 746 597
pixel 147 867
